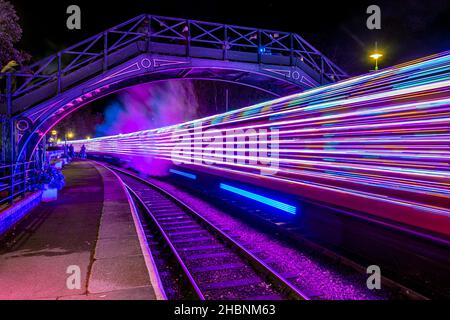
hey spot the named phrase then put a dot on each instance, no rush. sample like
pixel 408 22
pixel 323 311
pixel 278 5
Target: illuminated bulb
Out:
pixel 376 55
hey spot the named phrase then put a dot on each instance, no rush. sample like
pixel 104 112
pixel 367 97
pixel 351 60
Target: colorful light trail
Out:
pixel 377 143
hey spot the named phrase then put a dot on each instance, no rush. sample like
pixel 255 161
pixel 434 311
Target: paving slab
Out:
pixel 111 248
pixel 118 273
pixel 140 293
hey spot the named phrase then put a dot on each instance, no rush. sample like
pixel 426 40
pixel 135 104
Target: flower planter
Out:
pixel 58 164
pixel 49 194
pixel 49 180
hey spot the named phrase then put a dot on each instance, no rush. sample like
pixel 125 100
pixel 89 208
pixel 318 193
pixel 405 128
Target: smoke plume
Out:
pixel 150 106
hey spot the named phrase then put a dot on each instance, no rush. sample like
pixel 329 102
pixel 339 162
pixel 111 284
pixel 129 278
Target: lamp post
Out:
pixel 54 136
pixel 67 135
pixel 376 55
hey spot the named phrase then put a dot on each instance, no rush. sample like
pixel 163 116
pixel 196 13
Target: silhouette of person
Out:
pixel 83 152
pixel 71 151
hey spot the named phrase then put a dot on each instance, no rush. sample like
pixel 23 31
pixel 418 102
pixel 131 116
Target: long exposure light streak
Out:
pixel 184 174
pixel 377 143
pixel 260 198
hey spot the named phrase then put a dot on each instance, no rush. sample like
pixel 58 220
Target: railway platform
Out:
pixel 85 245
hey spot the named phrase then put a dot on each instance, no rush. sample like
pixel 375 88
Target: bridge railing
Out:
pixel 15 180
pixel 151 31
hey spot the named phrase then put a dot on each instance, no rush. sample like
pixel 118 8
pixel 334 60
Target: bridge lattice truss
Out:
pixel 152 33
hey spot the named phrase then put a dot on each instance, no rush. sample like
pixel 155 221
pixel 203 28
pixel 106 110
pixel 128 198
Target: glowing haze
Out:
pixel 149 106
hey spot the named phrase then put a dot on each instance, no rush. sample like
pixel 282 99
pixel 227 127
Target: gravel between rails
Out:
pixel 208 242
pixel 213 261
pixel 222 275
pixel 244 291
pixel 310 272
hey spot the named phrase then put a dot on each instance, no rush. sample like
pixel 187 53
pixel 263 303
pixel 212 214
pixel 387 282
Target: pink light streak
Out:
pixel 378 143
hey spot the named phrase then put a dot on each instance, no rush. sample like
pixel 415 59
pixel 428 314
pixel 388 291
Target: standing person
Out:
pixel 83 152
pixel 66 151
pixel 71 151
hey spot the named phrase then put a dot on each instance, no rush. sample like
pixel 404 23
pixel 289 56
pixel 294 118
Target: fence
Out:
pixel 15 180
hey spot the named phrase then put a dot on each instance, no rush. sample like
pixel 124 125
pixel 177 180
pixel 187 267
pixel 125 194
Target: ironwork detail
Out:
pixel 184 37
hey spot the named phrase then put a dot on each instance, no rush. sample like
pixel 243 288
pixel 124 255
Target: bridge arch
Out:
pixel 152 48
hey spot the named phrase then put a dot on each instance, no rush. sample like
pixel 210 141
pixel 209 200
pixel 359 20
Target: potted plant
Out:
pixel 64 160
pixel 49 180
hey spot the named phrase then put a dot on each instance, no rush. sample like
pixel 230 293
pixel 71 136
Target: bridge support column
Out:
pixel 9 143
pixel 8 152
pixel 8 133
pixel 4 134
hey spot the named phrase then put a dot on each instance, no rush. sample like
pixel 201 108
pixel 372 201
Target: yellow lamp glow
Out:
pixel 376 56
pixel 70 135
pixel 54 132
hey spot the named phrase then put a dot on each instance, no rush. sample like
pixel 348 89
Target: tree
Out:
pixel 10 34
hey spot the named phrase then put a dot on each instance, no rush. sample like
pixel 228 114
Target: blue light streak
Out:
pixel 184 174
pixel 262 199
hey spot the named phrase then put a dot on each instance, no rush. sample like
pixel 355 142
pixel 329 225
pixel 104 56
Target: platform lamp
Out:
pixel 54 136
pixel 68 135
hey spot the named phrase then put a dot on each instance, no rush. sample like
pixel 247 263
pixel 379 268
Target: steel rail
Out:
pixel 282 285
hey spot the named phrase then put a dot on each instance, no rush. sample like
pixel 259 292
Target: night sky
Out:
pixel 410 29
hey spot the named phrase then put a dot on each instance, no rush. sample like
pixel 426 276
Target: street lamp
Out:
pixel 66 136
pixel 376 55
pixel 53 136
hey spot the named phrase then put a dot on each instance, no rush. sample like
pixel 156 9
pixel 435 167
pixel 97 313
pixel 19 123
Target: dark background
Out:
pixel 410 28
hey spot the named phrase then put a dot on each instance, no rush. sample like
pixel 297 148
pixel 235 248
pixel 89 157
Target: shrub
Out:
pixel 48 176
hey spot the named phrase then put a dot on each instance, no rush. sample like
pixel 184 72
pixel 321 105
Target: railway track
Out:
pixel 211 264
